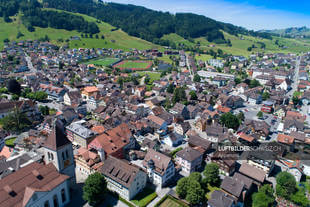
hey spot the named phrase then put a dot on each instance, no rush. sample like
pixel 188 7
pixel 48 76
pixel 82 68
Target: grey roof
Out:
pixel 189 154
pixel 220 199
pixel 232 186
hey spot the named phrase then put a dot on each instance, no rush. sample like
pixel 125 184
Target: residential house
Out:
pixel 257 175
pixel 287 140
pixel 114 142
pixel 87 162
pixel 226 161
pixel 180 109
pixel 53 92
pixel 89 91
pixel 221 199
pixel 79 134
pixel 172 139
pixel 72 98
pixel 123 178
pixel 160 168
pixel 234 188
pixel 189 159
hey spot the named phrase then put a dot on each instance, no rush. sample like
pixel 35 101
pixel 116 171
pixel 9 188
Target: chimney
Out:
pixel 101 154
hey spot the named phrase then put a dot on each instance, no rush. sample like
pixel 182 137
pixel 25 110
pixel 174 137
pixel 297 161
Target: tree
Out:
pixel 241 116
pixel 13 86
pixel 193 95
pixel 265 96
pixel 254 83
pixel 295 100
pixel 181 188
pixel 147 79
pixel 40 95
pixel 286 185
pixel 170 88
pixel 300 198
pixel 230 120
pixel 178 95
pixel 195 176
pixel 197 78
pixel 94 188
pixel 15 97
pixel 264 197
pixel 195 193
pixel 6 40
pixel 211 173
pixel 120 81
pixel 44 110
pixel 237 80
pixel 15 121
pixel 19 34
pixel 260 114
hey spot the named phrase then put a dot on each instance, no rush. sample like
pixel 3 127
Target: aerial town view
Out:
pixel 135 103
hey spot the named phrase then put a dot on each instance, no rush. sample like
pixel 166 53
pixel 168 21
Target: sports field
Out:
pixel 134 65
pixel 103 62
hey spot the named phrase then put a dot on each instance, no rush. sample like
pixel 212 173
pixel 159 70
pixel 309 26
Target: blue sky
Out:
pixel 252 14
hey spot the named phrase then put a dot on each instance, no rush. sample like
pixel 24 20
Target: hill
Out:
pixel 113 37
pixel 293 32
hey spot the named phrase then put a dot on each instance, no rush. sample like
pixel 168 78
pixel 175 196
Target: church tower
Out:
pixel 58 150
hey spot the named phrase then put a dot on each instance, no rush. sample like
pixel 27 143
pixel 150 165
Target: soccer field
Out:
pixel 104 62
pixel 134 65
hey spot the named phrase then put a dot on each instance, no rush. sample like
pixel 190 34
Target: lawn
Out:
pixel 154 76
pixel 145 197
pixel 103 62
pixel 134 65
pixel 203 57
pixel 210 191
pixel 10 142
pixel 170 203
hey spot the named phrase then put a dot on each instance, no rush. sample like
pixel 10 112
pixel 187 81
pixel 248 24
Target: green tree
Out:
pixel 195 193
pixel 15 97
pixel 120 81
pixel 240 116
pixel 44 110
pixel 3 90
pixel 15 121
pixel 147 79
pixel 170 88
pixel 295 100
pixel 193 95
pixel 178 95
pixel 195 176
pixel 13 86
pixel 260 114
pixel 264 197
pixel 40 95
pixel 286 185
pixel 237 80
pixel 94 188
pixel 300 198
pixel 254 83
pixel 211 173
pixel 265 96
pixel 197 78
pixel 230 120
pixel 181 188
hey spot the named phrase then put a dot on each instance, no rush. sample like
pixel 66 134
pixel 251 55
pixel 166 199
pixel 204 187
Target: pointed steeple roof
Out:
pixel 57 138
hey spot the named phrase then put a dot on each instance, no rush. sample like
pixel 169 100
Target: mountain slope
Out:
pixel 292 32
pixel 112 39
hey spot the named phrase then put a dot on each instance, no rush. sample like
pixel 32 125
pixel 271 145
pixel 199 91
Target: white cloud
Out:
pixel 245 15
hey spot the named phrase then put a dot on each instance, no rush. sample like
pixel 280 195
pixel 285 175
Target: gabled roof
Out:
pixel 57 137
pixel 26 181
pixel 160 161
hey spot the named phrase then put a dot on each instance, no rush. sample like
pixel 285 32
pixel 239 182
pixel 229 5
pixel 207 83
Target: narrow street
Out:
pixel 29 64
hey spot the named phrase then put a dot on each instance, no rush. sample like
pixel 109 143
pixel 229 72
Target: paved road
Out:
pixel 295 78
pixel 29 63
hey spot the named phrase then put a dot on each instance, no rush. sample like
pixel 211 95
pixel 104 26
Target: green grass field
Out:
pixel 145 197
pixel 10 142
pixel 134 65
pixel 113 39
pixel 103 62
pixel 154 76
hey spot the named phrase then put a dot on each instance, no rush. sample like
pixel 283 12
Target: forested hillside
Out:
pixel 152 25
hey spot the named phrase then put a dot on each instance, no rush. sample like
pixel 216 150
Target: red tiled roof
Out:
pixel 286 139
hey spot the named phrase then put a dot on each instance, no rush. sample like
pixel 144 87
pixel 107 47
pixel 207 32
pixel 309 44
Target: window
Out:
pixel 49 156
pixel 55 200
pixel 63 156
pixel 46 204
pixel 63 195
pixel 52 156
pixel 67 154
